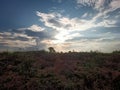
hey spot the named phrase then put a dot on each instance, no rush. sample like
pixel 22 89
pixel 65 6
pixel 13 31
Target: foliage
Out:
pixel 51 50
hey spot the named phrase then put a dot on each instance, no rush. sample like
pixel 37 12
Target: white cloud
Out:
pixel 7 39
pixel 14 35
pixel 115 4
pixel 59 22
pixel 95 44
pixel 34 28
pixel 18 43
pixel 62 23
pixel 84 15
pixel 21 35
pixel 6 33
pixel 65 25
pixel 107 23
pixel 99 4
pixel 63 36
pixel 110 23
pixel 86 2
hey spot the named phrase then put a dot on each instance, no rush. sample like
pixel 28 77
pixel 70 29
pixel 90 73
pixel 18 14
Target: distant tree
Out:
pixel 116 51
pixel 43 51
pixel 51 50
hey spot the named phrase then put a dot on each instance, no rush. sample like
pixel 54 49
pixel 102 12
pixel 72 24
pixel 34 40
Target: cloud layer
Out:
pixel 66 33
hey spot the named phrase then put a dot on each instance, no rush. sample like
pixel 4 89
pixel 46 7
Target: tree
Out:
pixel 51 50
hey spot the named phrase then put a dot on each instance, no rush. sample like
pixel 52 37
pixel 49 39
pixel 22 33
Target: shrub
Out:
pixel 116 83
pixel 25 68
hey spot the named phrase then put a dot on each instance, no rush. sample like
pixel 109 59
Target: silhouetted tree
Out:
pixel 51 50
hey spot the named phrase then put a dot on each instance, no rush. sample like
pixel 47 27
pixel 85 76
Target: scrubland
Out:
pixel 41 70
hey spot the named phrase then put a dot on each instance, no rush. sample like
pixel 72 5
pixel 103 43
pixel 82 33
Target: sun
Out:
pixel 61 37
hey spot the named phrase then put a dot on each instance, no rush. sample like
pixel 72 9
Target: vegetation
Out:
pixel 41 70
pixel 51 50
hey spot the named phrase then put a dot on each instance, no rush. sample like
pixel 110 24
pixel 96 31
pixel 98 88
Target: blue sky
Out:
pixel 80 25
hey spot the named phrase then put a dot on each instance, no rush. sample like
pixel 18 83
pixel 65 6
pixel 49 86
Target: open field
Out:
pixel 41 70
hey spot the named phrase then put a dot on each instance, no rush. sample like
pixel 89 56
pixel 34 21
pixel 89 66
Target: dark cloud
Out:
pixel 67 26
pixel 3 43
pixel 42 35
pixel 55 22
pixel 19 38
pixel 25 36
pixel 15 38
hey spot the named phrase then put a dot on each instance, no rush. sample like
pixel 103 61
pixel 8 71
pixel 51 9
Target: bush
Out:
pixel 116 83
pixel 25 68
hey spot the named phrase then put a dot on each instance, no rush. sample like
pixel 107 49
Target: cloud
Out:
pixel 12 39
pixel 17 43
pixel 33 38
pixel 96 4
pixel 50 19
pixel 110 23
pixel 115 4
pixel 84 15
pixel 64 32
pixel 14 36
pixel 100 5
pixel 59 22
pixel 86 2
pixel 34 28
pixel 5 33
pixel 101 44
pixel 39 34
pixel 29 38
pixel 64 25
pixel 63 36
pixel 105 42
pixel 68 28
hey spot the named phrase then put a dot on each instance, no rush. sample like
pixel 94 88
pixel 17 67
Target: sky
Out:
pixel 66 25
